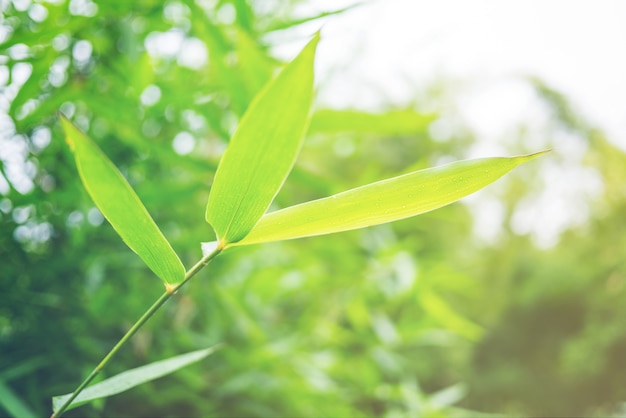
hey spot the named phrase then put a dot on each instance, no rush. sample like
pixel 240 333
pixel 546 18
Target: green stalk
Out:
pixel 169 292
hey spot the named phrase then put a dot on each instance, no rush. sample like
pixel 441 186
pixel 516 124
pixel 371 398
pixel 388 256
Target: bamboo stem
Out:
pixel 169 292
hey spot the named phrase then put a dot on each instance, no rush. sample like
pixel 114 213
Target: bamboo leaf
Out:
pixel 438 309
pixel 262 150
pixel 394 122
pixel 448 396
pixel 384 201
pixel 13 404
pixel 131 378
pixel 121 206
pixel 296 22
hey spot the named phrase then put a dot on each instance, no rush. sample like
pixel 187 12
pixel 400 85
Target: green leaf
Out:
pixel 447 396
pixel 282 25
pixel 131 378
pixel 12 403
pixel 262 150
pixel 120 205
pixel 384 201
pixel 394 122
pixel 438 309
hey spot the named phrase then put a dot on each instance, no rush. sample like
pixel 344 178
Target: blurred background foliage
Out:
pixel 422 317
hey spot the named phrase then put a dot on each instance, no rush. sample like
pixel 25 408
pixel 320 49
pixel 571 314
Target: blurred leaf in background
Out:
pixel 421 317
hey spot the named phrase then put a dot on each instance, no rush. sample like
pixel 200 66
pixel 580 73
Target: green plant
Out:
pixel 253 169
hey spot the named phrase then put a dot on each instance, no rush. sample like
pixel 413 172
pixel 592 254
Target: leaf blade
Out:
pixel 131 378
pixel 393 122
pixel 121 206
pixel 12 403
pixel 269 135
pixel 384 201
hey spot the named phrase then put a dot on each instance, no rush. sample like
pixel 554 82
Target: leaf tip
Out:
pixel 539 153
pixel 532 156
pixel 66 125
pixel 316 38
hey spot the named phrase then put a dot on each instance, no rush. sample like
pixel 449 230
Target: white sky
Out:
pixel 574 45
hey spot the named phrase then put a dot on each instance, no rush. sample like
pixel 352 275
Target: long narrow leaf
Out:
pixel 131 378
pixel 296 22
pixel 121 206
pixel 394 122
pixel 12 403
pixel 384 201
pixel 262 150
